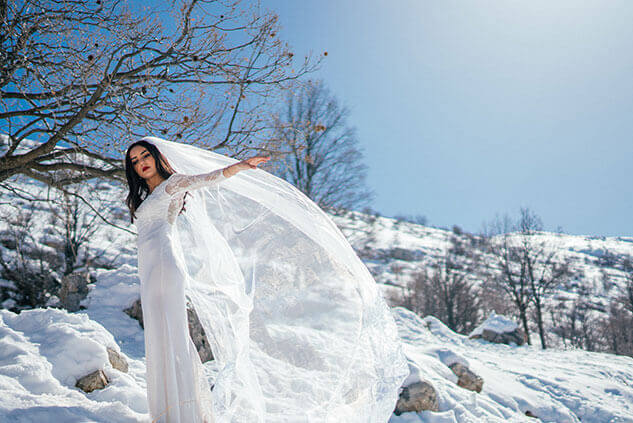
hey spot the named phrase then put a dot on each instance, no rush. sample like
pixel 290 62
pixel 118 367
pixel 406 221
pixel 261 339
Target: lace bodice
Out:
pixel 166 200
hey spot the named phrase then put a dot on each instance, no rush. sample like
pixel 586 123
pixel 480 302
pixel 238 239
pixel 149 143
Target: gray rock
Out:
pixel 515 336
pixel 467 378
pixel 196 330
pixel 92 381
pixel 74 289
pixel 135 312
pixel 416 397
pixel 117 360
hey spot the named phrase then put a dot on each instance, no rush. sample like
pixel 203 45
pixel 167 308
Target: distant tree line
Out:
pixel 513 268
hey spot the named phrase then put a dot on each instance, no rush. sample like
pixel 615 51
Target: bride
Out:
pixel 298 328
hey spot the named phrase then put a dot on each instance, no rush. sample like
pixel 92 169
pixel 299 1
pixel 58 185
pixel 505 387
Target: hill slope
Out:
pixel 44 351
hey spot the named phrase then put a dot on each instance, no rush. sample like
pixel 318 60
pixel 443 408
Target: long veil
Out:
pixel 296 323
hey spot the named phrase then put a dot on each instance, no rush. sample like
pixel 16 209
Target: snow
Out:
pixel 42 354
pixel 43 351
pixel 555 385
pixel 495 323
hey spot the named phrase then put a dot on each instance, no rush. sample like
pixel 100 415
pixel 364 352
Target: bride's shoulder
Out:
pixel 174 181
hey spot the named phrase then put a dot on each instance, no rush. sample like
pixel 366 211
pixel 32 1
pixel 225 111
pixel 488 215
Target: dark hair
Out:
pixel 137 184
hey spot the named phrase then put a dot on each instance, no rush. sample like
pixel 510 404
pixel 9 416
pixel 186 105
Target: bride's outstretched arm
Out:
pixel 180 182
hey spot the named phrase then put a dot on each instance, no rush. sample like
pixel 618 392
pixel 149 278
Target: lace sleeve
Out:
pixel 180 182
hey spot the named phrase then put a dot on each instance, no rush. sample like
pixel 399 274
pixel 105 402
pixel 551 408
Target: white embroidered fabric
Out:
pixel 298 328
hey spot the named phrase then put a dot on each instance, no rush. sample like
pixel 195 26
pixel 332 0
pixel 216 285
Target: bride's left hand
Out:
pixel 254 161
pixel 250 163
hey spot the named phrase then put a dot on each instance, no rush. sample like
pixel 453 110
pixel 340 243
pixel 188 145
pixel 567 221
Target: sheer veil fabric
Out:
pixel 296 323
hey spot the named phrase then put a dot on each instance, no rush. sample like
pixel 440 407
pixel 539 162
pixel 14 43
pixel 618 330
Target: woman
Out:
pixel 297 327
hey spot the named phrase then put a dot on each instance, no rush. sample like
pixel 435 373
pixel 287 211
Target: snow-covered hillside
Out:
pixel 44 351
pixel 387 244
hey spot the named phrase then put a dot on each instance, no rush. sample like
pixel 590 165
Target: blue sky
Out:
pixel 467 109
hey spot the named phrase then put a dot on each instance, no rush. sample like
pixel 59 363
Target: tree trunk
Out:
pixel 523 313
pixel 539 322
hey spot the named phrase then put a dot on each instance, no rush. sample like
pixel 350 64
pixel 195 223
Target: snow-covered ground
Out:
pixel 44 351
pixel 554 385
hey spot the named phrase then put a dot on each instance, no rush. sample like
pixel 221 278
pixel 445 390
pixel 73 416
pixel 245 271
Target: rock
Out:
pixel 92 381
pixel 466 378
pixel 399 253
pixel 74 289
pixel 530 414
pixel 196 331
pixel 501 338
pixel 500 330
pixel 418 396
pixel 117 360
pixel 135 311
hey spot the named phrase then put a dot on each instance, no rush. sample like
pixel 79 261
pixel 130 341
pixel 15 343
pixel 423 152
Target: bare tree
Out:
pixel 83 78
pixel 626 297
pixel 576 324
pixel 545 269
pixel 530 265
pixel 74 226
pixel 507 270
pixel 616 328
pixel 324 159
pixel 445 288
pixel 29 267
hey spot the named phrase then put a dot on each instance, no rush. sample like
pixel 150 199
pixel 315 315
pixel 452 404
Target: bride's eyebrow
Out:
pixel 142 152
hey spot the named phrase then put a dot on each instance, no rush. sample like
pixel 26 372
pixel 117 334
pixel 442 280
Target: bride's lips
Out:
pixel 145 168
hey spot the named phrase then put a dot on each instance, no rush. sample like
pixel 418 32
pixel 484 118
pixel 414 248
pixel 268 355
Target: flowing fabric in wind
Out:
pixel 296 323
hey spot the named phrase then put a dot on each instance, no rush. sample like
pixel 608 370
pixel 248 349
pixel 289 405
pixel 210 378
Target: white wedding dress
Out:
pixel 298 329
pixel 177 391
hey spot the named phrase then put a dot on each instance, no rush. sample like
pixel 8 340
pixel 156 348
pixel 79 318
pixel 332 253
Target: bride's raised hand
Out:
pixel 250 163
pixel 253 162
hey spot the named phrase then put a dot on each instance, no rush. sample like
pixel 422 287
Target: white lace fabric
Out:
pixel 178 184
pixel 298 328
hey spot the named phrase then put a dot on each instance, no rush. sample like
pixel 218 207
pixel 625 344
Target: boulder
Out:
pixel 500 330
pixel 117 360
pixel 467 378
pixel 135 311
pixel 92 381
pixel 418 396
pixel 74 288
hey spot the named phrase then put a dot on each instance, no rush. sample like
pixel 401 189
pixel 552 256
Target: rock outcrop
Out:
pixel 74 288
pixel 418 396
pixel 500 330
pixel 467 379
pixel 117 360
pixel 135 312
pixel 92 381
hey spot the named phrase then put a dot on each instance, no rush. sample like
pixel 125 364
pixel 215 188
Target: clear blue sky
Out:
pixel 466 109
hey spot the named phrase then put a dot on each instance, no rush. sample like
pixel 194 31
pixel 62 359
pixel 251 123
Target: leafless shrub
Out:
pixel 445 288
pixel 29 268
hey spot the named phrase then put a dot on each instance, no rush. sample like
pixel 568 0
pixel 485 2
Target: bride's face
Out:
pixel 143 162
